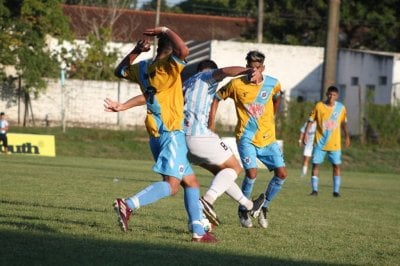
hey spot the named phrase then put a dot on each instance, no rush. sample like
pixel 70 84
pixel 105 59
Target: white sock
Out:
pixel 236 193
pixel 221 183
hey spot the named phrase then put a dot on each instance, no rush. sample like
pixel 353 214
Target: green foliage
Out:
pixel 290 122
pixel 98 64
pixel 368 24
pixel 220 7
pixel 6 37
pixel 295 22
pixel 152 6
pixel 371 25
pixel 385 120
pixel 26 26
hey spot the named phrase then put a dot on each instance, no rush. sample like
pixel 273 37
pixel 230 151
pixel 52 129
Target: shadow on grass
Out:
pixel 26 248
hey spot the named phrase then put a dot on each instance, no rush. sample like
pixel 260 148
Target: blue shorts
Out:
pixel 271 156
pixel 170 154
pixel 318 156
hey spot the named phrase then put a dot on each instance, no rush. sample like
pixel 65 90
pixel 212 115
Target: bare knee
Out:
pixel 251 173
pixel 281 172
pixel 173 184
pixel 190 181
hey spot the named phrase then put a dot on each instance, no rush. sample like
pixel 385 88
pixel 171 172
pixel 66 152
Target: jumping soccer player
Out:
pixel 206 148
pixel 161 85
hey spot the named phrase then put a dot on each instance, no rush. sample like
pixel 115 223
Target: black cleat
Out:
pixel 257 204
pixel 209 212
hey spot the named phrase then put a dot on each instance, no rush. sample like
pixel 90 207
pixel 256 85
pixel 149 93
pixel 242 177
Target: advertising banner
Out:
pixel 43 145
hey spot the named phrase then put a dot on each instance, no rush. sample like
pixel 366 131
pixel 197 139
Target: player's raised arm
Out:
pixel 178 45
pixel 232 71
pixel 141 46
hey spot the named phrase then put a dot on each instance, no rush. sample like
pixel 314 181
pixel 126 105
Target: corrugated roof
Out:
pixel 128 24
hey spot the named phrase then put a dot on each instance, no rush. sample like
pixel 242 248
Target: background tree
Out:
pixel 99 61
pixel 25 28
pixel 26 25
pixel 373 25
pixel 368 24
pixel 245 8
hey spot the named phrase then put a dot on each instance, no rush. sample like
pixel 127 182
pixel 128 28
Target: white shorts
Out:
pixel 209 150
pixel 308 150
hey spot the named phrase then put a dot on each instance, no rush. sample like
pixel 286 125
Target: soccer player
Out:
pixel 330 116
pixel 206 148
pixel 307 148
pixel 161 86
pixel 256 102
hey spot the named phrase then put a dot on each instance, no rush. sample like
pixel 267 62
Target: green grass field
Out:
pixel 57 211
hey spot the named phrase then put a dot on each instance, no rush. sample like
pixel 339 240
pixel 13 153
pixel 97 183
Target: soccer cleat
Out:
pixel 206 238
pixel 262 218
pixel 314 193
pixel 123 212
pixel 244 218
pixel 336 194
pixel 209 212
pixel 257 204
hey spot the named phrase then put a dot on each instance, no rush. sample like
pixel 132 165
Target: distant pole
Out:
pixel 63 67
pixel 260 21
pixel 331 47
pixel 19 97
pixel 157 23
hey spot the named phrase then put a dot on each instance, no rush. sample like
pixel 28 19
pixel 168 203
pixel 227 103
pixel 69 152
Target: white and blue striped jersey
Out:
pixel 199 91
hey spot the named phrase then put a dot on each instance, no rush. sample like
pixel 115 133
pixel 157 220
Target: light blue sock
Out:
pixel 247 188
pixel 193 209
pixel 273 188
pixel 314 183
pixel 150 194
pixel 336 183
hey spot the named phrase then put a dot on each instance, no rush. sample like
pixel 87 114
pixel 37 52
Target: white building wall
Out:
pixel 83 103
pixel 368 68
pixel 396 81
pixel 299 69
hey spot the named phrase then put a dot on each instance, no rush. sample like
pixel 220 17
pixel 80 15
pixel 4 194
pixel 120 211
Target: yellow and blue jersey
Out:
pixel 254 108
pixel 329 120
pixel 161 84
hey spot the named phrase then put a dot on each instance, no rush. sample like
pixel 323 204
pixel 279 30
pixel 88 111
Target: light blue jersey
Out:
pixel 199 91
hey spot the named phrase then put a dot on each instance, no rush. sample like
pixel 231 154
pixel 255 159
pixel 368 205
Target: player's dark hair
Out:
pixel 333 89
pixel 164 44
pixel 206 64
pixel 255 56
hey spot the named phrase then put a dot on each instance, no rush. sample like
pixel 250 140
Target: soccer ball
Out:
pixel 206 225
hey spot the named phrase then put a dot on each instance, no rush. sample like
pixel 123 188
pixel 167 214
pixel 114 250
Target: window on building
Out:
pixel 382 80
pixel 342 92
pixel 370 94
pixel 354 81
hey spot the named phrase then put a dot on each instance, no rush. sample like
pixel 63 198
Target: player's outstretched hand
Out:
pixel 111 106
pixel 142 46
